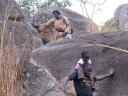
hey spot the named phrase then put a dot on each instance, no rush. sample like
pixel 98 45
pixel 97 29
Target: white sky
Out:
pixel 107 10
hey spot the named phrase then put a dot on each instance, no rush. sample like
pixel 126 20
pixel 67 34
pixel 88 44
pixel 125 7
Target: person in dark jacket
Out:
pixel 84 80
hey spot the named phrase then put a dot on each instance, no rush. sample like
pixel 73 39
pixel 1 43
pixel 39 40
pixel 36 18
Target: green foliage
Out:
pixel 46 4
pixel 56 3
pixel 112 25
pixel 27 3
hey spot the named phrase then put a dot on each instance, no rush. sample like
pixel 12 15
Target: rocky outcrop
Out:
pixel 119 21
pixel 13 29
pixel 38 81
pixel 61 57
pixel 17 36
pixel 28 14
pixel 79 23
pixel 12 22
pixel 121 14
pixel 37 42
pixel 10 9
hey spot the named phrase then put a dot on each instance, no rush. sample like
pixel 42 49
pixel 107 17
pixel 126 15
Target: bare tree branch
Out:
pixel 83 4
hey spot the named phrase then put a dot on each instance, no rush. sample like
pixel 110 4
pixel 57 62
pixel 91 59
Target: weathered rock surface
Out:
pixel 10 9
pixel 61 57
pixel 20 37
pixel 121 14
pixel 37 42
pixel 14 27
pixel 38 81
pixel 28 14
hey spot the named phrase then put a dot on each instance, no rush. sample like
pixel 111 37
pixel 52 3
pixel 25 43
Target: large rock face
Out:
pixel 9 8
pixel 16 35
pixel 38 81
pixel 61 57
pixel 120 20
pixel 14 30
pixel 37 42
pixel 121 14
pixel 79 23
pixel 13 23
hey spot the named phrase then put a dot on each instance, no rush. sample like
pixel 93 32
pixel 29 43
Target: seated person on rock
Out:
pixel 84 81
pixel 61 24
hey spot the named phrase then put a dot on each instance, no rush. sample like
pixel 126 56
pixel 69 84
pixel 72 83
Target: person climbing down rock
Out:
pixel 84 80
pixel 60 24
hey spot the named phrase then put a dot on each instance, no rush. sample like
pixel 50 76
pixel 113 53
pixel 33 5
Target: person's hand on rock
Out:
pixel 111 72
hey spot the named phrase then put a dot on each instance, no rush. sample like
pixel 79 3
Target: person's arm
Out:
pixel 50 22
pixel 89 61
pixel 43 26
pixel 101 77
pixel 68 28
pixel 65 83
pixel 72 76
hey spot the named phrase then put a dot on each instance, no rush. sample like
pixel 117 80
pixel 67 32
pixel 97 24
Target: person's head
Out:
pixel 87 69
pixel 85 56
pixel 56 14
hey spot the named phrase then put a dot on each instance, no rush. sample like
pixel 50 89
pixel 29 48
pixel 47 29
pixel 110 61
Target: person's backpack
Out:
pixel 88 83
